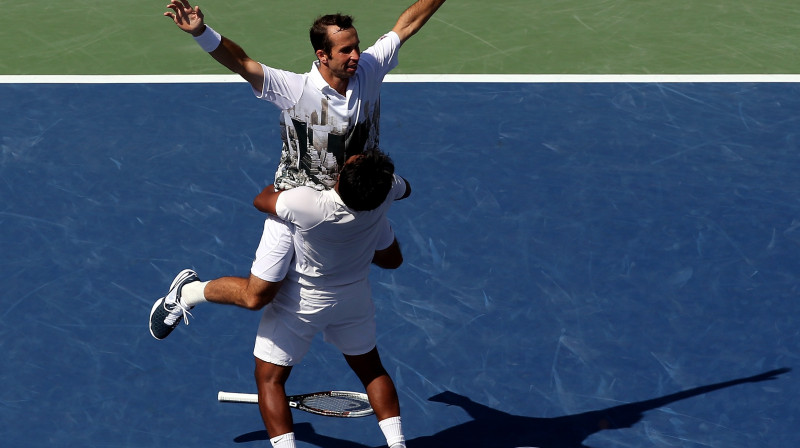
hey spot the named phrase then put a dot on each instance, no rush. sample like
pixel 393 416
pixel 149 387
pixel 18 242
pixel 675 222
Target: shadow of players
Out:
pixel 490 427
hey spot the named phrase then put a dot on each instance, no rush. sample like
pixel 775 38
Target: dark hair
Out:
pixel 319 30
pixel 366 180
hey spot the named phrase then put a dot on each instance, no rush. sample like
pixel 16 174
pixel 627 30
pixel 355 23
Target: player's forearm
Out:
pixel 234 58
pixel 415 17
pixel 230 55
pixel 389 258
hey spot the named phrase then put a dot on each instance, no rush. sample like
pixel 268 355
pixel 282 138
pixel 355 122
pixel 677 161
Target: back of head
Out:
pixel 319 30
pixel 366 180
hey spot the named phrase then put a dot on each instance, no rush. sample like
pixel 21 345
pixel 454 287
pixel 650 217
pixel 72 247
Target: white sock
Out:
pixel 393 431
pixel 283 441
pixel 193 293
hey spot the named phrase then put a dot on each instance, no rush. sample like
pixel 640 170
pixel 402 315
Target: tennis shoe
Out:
pixel 168 311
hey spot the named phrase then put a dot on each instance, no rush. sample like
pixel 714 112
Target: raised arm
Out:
pixel 414 17
pixel 225 51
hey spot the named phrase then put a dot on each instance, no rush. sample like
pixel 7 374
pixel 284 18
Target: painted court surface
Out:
pixel 603 264
pixel 572 248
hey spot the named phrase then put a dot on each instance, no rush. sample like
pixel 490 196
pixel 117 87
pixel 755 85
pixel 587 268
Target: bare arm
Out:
pixel 236 60
pixel 266 200
pixel 389 258
pixel 415 17
pixel 228 53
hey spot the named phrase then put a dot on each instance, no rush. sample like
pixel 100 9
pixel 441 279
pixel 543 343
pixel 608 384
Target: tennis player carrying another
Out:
pixel 337 233
pixel 328 115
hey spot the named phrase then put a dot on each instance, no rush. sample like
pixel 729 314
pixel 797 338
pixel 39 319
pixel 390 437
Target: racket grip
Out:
pixel 235 397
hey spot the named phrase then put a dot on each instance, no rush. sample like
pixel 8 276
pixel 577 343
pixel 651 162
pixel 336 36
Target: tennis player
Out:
pixel 337 233
pixel 327 115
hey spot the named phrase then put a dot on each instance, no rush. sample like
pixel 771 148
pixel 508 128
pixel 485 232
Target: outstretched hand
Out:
pixel 188 18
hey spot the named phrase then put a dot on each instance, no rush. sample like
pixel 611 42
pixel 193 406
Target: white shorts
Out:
pixel 275 251
pixel 288 326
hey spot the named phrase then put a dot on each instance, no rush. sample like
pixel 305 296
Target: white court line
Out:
pixel 521 78
pixel 117 79
pixel 570 78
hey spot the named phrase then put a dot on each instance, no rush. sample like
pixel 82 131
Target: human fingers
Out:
pixel 180 6
pixel 183 11
pixel 173 7
pixel 174 4
pixel 185 3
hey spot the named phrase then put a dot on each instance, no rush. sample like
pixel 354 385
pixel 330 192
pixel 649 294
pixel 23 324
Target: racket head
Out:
pixel 333 403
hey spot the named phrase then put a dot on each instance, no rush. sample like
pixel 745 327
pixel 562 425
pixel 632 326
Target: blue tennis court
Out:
pixel 587 265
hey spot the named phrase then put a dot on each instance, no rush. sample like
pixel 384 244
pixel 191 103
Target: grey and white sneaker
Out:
pixel 168 311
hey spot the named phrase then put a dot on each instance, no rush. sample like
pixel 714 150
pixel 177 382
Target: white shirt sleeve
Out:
pixel 386 237
pixel 282 88
pixel 297 205
pixel 381 57
pixel 398 188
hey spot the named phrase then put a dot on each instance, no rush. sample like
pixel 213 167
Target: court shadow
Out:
pixel 490 427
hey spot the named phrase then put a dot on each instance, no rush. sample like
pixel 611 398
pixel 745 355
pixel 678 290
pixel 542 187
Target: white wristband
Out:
pixel 209 40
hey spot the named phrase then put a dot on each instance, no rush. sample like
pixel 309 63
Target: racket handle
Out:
pixel 235 397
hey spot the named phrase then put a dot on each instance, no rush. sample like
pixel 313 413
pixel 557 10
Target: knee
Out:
pixel 258 296
pixel 372 373
pixel 256 301
pixel 271 375
pixel 367 367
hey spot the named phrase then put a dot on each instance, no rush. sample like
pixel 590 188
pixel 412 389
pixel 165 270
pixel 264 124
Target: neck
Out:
pixel 338 84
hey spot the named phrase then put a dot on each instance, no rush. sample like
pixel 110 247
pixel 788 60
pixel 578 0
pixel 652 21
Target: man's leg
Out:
pixel 382 394
pixel 273 258
pixel 252 293
pixel 187 291
pixel 272 261
pixel 275 411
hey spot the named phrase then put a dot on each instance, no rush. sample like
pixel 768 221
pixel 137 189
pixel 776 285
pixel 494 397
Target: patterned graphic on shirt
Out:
pixel 317 140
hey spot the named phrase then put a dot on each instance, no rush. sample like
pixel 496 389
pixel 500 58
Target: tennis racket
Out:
pixel 332 403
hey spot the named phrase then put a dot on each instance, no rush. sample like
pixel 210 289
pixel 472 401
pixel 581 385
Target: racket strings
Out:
pixel 337 404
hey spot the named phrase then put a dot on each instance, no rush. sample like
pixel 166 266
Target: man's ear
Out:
pixel 322 56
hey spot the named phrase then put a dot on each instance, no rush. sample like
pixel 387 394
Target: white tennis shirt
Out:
pixel 321 128
pixel 334 245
